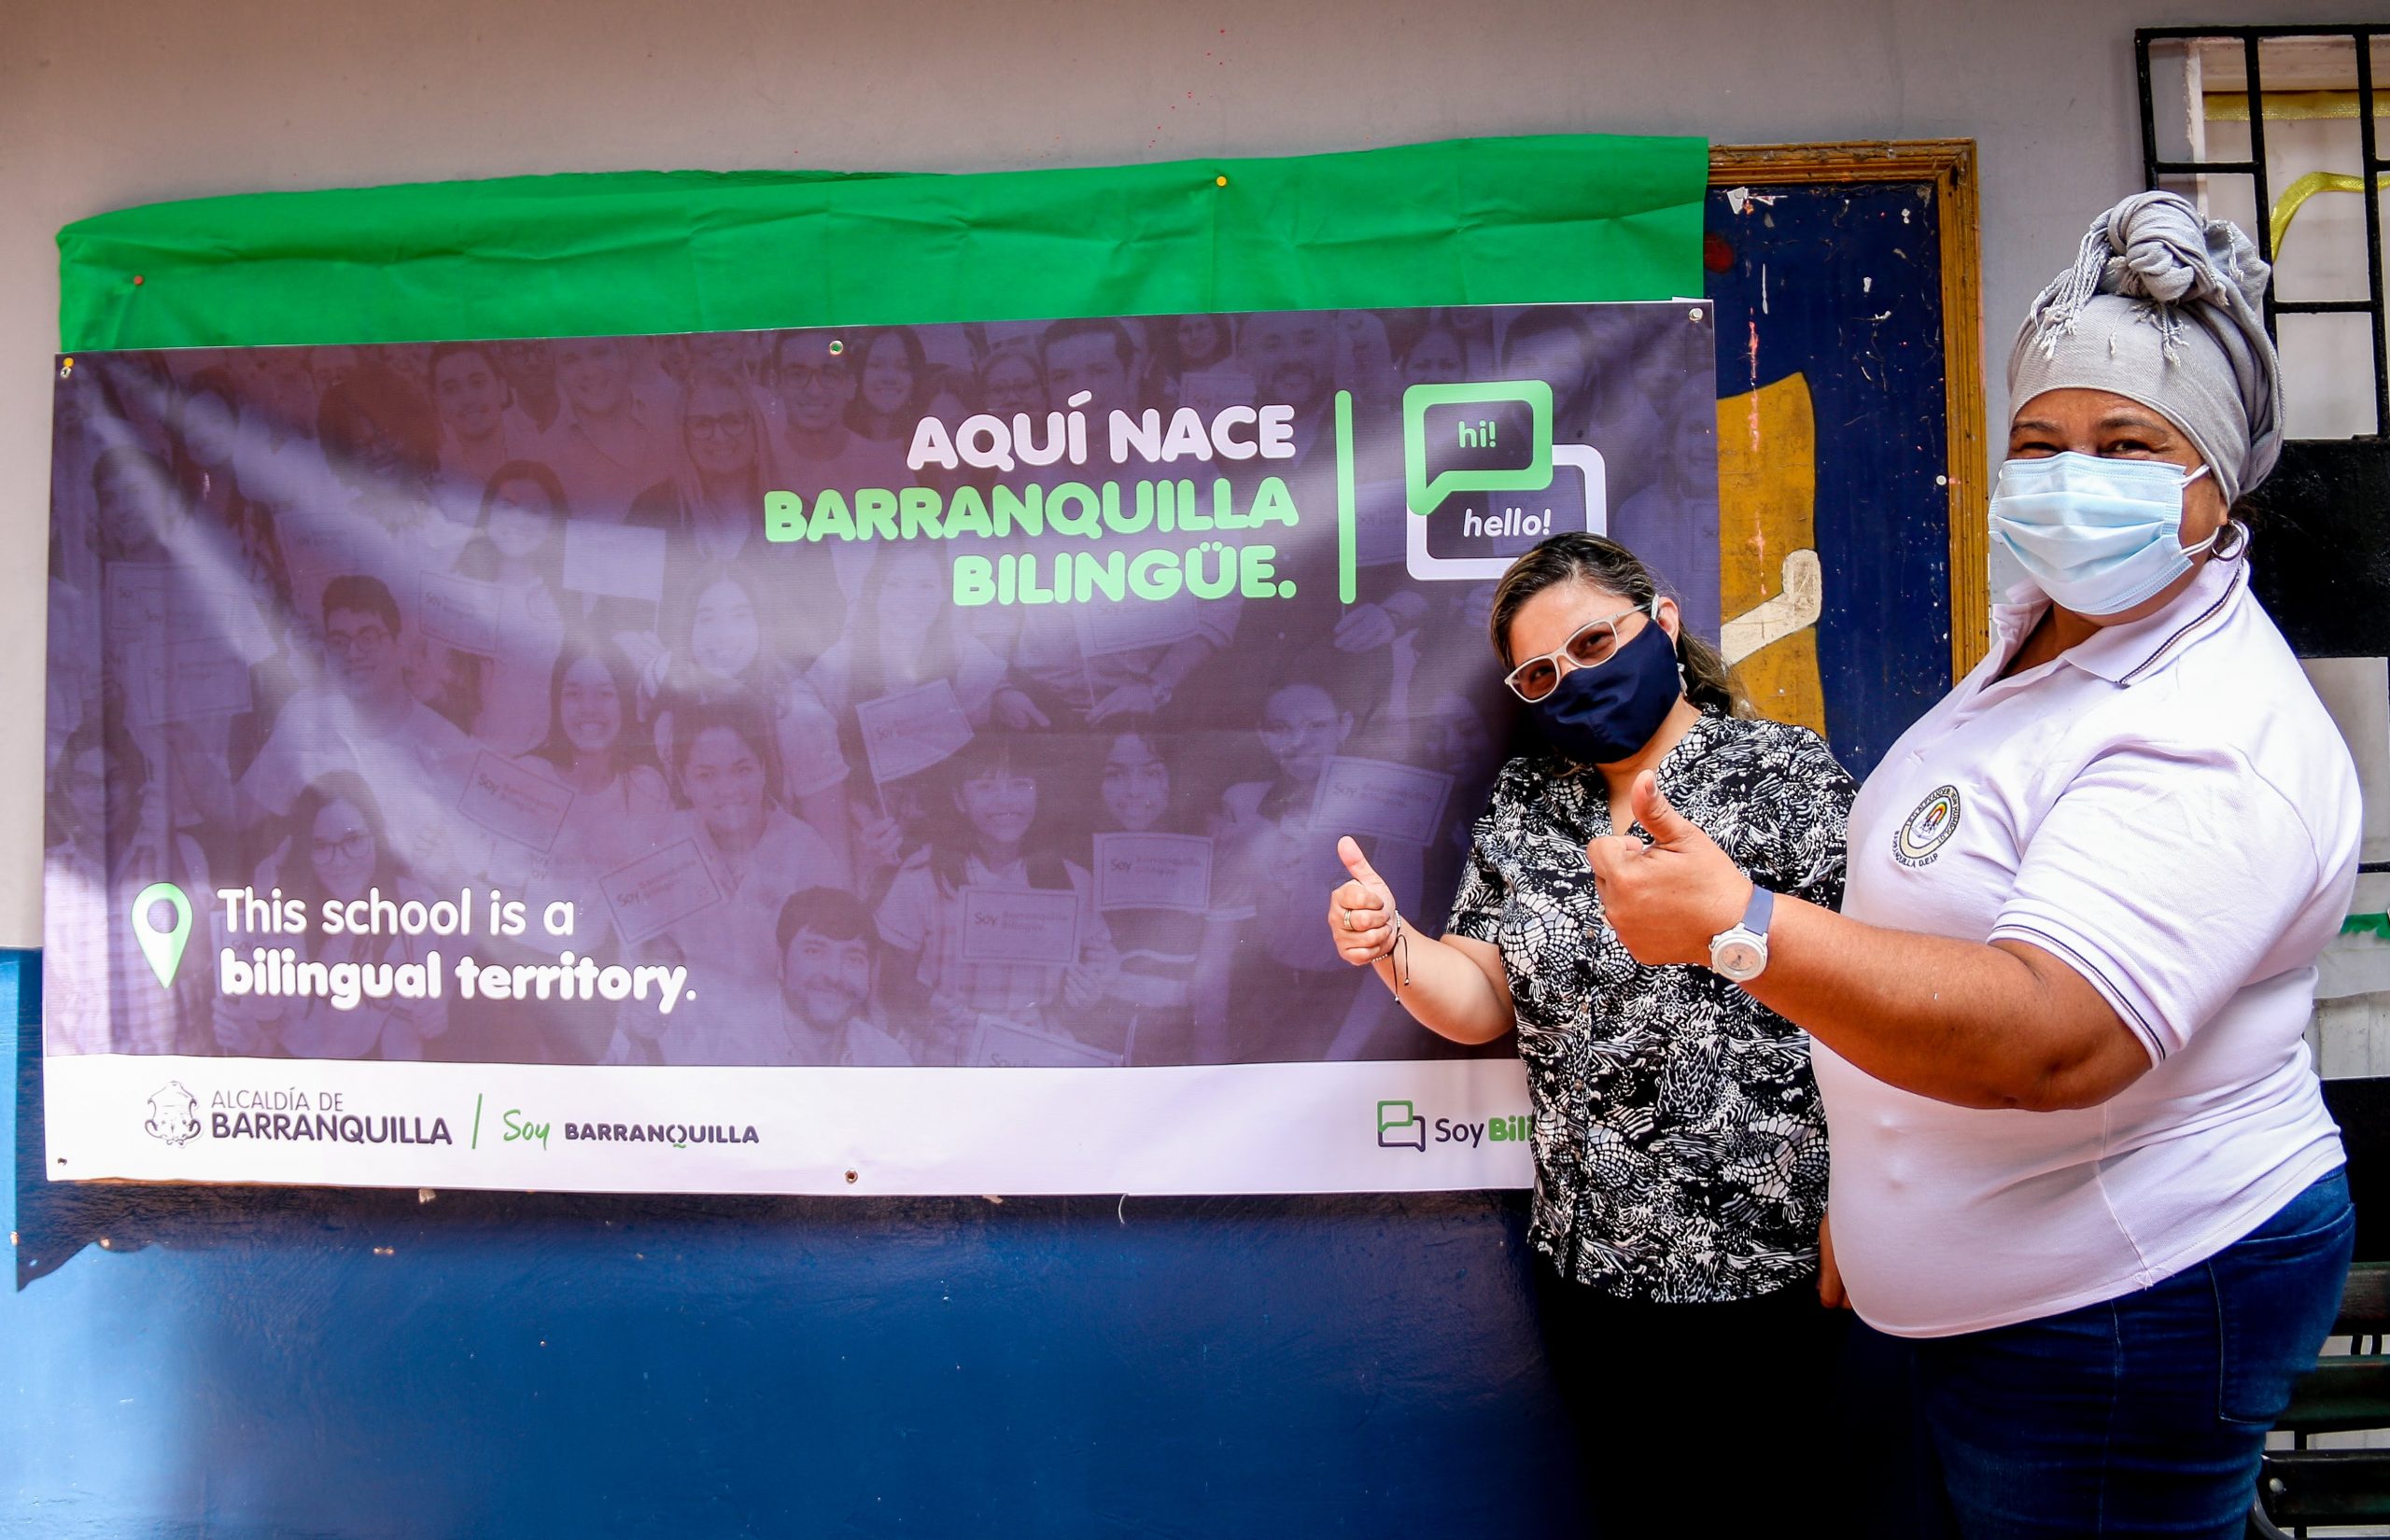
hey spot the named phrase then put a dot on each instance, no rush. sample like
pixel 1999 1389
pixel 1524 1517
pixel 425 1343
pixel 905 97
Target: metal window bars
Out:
pixel 2361 37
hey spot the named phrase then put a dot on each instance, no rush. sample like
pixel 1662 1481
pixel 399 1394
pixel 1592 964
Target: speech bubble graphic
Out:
pixel 164 949
pixel 1426 487
pixel 1409 1130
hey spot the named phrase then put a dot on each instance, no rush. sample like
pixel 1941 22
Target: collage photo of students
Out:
pixel 415 618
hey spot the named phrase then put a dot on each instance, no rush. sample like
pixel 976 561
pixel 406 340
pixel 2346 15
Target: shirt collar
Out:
pixel 2128 653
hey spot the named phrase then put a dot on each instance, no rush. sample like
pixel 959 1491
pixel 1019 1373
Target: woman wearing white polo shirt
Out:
pixel 2081 1160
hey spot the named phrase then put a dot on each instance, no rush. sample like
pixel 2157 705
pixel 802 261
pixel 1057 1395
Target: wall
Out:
pixel 256 1364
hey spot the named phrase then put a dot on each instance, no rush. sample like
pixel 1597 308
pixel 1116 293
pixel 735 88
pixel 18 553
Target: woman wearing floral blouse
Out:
pixel 1680 1150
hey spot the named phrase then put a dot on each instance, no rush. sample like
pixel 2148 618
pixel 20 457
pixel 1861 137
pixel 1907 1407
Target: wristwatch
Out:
pixel 1740 952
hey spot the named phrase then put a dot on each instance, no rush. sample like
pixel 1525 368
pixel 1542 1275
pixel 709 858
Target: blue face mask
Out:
pixel 1604 714
pixel 2097 535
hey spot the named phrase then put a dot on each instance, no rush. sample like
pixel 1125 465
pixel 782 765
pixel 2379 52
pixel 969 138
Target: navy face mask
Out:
pixel 1600 716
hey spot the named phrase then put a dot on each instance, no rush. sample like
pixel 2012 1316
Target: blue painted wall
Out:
pixel 258 1361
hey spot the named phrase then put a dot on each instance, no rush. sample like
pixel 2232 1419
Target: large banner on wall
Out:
pixel 904 759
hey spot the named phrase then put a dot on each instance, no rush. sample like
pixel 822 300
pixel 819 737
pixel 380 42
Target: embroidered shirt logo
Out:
pixel 1920 839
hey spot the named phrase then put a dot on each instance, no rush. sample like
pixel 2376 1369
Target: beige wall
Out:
pixel 108 103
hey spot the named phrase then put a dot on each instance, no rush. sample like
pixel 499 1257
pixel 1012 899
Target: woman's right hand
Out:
pixel 1361 912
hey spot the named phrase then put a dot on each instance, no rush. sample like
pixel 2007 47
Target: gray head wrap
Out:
pixel 2162 306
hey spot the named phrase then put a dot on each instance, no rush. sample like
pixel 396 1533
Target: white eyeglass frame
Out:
pixel 1563 665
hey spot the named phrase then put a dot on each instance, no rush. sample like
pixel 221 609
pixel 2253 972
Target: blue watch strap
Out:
pixel 1757 912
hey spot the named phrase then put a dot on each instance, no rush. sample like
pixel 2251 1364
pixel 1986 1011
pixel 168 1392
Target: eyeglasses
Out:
pixel 709 428
pixel 365 642
pixel 1593 645
pixel 1289 732
pixel 354 845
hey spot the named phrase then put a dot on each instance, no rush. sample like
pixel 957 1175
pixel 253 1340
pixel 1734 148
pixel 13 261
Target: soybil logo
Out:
pixel 1402 1126
pixel 1480 458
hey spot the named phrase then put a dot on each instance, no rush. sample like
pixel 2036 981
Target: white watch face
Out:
pixel 1739 957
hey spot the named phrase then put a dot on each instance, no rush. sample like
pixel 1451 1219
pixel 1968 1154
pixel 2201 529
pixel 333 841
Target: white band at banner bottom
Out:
pixel 1382 1126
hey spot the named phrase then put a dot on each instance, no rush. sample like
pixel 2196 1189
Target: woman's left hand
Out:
pixel 1667 899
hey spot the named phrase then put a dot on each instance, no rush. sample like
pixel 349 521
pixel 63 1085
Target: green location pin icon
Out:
pixel 164 949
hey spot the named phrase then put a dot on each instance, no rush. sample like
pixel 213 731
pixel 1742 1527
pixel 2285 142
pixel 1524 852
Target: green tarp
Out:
pixel 1470 222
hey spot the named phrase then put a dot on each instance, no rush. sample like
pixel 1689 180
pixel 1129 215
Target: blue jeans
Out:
pixel 2143 1414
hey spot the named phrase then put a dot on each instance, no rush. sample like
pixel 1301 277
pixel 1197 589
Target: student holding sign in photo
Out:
pixel 903 632
pixel 1289 997
pixel 711 898
pixel 1680 1146
pixel 724 641
pixel 513 571
pixel 988 928
pixel 1153 887
pixel 595 747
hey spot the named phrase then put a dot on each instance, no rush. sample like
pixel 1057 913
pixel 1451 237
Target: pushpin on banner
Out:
pixel 164 949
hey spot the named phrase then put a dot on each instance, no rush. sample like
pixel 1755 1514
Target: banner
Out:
pixel 903 759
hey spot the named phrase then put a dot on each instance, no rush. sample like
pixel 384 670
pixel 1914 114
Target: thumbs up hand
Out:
pixel 1667 899
pixel 1360 912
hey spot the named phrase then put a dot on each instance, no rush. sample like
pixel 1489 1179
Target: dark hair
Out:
pixel 127 459
pixel 443 352
pixel 844 359
pixel 1035 360
pixel 867 660
pixel 1543 321
pixel 375 395
pixel 1303 674
pixel 247 524
pixel 479 559
pixel 947 380
pixel 1028 753
pixel 1174 358
pixel 131 463
pixel 214 381
pixel 1418 339
pixel 1140 726
pixel 916 363
pixel 1062 332
pixel 831 913
pixel 362 594
pixel 505 351
pixel 298 873
pixel 629 747
pixel 1608 565
pixel 741 715
pixel 771 664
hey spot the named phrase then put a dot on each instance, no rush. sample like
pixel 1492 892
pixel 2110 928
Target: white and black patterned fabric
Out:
pixel 1679 1148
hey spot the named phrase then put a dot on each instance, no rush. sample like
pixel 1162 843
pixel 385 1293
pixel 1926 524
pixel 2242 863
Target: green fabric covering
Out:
pixel 1467 221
